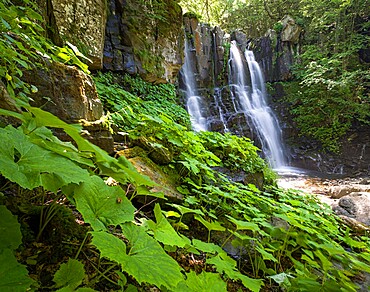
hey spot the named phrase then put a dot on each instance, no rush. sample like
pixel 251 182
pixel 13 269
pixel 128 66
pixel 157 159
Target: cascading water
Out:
pixel 193 101
pixel 251 100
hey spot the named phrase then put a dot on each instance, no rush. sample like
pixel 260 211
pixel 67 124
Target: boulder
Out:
pixel 291 31
pixel 144 39
pixel 337 192
pixel 82 23
pixel 70 94
pixel 356 206
pixel 166 183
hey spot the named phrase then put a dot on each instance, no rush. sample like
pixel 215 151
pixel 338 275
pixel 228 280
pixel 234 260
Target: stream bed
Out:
pixel 348 196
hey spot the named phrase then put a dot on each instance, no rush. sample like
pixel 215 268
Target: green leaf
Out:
pixel 225 264
pixel 10 230
pixel 13 275
pixel 243 225
pixel 70 274
pixel 146 260
pixel 202 282
pixel 31 166
pixel 184 210
pixel 266 255
pixel 163 231
pixel 215 225
pixel 207 247
pixel 102 205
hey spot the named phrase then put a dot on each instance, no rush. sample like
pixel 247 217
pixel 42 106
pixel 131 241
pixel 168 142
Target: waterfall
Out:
pixel 194 102
pixel 249 97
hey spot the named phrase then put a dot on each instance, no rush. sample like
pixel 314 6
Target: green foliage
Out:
pixel 202 282
pixel 328 100
pixel 70 274
pixel 103 205
pixel 10 230
pixel 24 47
pixel 144 252
pixel 31 166
pixel 127 97
pixel 13 276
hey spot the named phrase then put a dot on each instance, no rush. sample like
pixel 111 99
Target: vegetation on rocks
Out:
pixel 74 218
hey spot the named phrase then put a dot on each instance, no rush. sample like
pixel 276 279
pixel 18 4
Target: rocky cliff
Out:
pixel 144 38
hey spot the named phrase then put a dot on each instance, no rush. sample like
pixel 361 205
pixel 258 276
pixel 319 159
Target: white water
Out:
pixel 251 100
pixel 193 101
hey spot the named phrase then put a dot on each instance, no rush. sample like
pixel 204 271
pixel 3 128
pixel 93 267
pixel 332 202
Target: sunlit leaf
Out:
pixel 145 260
pixel 103 205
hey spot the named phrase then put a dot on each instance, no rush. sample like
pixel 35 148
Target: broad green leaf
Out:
pixel 215 225
pixel 225 264
pixel 266 255
pixel 70 274
pixel 146 252
pixel 207 247
pixel 243 225
pixel 102 205
pixel 31 166
pixel 120 169
pixel 9 229
pixel 45 139
pixel 184 210
pixel 13 275
pixel 163 231
pixel 202 282
pixel 146 260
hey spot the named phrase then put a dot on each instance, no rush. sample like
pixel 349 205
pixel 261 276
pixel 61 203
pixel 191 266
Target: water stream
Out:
pixel 194 102
pixel 249 96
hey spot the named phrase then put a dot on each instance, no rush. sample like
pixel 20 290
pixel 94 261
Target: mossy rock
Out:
pixel 166 183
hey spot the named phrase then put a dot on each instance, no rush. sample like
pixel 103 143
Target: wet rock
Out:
pixel 132 152
pixel 355 205
pixel 276 51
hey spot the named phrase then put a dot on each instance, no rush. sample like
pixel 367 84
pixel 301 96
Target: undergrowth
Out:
pixel 248 235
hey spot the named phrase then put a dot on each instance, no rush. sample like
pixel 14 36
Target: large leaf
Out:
pixel 70 274
pixel 243 225
pixel 146 260
pixel 44 138
pixel 102 205
pixel 10 231
pixel 13 275
pixel 202 282
pixel 215 225
pixel 225 264
pixel 120 169
pixel 31 166
pixel 163 231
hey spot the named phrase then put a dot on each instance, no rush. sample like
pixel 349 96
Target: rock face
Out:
pixel 71 95
pixel 140 42
pixel 80 22
pixel 276 52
